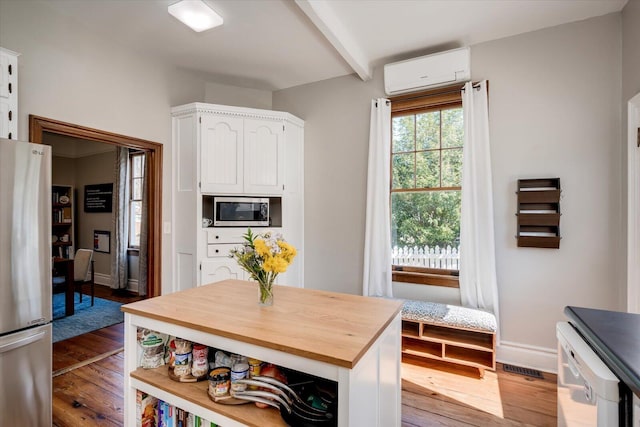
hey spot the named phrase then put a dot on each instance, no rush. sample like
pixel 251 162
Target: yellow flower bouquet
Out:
pixel 264 256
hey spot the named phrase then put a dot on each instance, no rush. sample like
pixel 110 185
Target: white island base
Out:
pixel 352 340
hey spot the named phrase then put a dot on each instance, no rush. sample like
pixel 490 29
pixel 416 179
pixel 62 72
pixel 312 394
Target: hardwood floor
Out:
pixel 88 379
pixel 438 394
pixel 433 393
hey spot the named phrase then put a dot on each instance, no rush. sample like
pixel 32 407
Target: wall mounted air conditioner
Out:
pixel 425 72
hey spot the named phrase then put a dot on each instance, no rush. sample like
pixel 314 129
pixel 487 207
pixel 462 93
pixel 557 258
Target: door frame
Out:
pixel 39 125
pixel 633 205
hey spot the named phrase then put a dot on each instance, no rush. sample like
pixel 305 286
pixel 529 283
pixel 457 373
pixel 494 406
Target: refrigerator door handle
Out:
pixel 21 343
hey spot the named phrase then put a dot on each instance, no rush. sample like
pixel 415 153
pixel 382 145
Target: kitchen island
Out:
pixel 351 340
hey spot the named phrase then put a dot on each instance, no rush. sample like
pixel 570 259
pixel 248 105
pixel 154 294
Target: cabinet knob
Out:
pixel 217 250
pixel 10 88
pixel 217 237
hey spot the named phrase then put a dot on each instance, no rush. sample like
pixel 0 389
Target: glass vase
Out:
pixel 265 296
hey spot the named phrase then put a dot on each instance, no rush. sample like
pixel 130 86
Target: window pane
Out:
pixel 452 167
pixel 428 169
pixel 430 218
pixel 452 128
pixel 428 130
pixel 403 170
pixel 137 165
pixel 137 188
pixel 135 221
pixel 403 133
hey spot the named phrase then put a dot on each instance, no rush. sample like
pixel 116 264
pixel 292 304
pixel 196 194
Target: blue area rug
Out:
pixel 86 318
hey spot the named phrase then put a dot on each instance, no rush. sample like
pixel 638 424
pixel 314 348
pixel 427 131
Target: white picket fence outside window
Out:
pixel 445 258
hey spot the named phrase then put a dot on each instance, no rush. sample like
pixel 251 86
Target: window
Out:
pixel 426 167
pixel 136 186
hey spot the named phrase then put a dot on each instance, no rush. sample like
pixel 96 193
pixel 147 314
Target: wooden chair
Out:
pixel 84 271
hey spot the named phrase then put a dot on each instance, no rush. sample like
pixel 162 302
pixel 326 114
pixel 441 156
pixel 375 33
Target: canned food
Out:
pixel 219 382
pixel 182 358
pixel 238 372
pixel 254 367
pixel 200 364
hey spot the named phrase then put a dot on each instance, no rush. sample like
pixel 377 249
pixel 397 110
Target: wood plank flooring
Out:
pixel 433 393
pixel 438 394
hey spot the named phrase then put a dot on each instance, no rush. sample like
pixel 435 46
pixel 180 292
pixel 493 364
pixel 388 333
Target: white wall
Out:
pixel 630 87
pixel 554 110
pixel 68 73
pixel 216 93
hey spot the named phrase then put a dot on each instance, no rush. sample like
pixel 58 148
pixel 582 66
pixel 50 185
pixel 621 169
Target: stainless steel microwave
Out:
pixel 240 211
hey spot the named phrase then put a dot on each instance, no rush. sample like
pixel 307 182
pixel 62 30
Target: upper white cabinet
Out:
pixel 263 157
pixel 221 154
pixel 224 150
pixel 241 155
pixel 8 94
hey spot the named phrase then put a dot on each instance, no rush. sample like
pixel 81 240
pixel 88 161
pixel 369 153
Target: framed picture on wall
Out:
pixel 97 198
pixel 102 241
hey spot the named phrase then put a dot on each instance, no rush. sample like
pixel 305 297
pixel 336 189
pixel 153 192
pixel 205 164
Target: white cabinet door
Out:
pixel 263 157
pixel 221 154
pixel 221 269
pixel 8 94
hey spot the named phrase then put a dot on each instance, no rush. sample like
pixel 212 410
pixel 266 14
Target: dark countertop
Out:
pixel 615 337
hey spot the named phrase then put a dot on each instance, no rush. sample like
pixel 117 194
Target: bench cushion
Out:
pixel 449 315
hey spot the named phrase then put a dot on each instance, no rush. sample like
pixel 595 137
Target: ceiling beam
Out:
pixel 323 16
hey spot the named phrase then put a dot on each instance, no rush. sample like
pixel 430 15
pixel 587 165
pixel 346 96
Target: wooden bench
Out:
pixel 449 333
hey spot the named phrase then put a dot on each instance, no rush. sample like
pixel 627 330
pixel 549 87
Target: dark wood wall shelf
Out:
pixel 539 213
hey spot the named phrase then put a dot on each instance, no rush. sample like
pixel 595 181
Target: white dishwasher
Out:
pixel 587 390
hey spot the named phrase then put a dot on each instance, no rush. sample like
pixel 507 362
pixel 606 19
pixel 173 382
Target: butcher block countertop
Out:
pixel 325 326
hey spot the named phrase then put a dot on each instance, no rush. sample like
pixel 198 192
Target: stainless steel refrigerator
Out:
pixel 25 284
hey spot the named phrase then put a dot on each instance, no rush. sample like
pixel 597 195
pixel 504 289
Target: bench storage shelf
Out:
pixel 471 348
pixel 443 336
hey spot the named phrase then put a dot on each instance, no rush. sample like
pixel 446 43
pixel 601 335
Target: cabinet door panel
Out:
pixel 263 157
pixel 216 270
pixel 4 75
pixel 221 154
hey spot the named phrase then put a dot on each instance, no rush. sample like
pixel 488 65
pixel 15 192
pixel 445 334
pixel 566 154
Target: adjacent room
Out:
pixel 336 212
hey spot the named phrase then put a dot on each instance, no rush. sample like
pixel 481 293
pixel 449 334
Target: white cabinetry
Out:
pixel 221 154
pixel 8 94
pixel 241 156
pixel 224 150
pixel 263 157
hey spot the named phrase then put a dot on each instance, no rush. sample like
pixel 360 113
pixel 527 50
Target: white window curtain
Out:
pixel 478 283
pixel 120 220
pixel 377 241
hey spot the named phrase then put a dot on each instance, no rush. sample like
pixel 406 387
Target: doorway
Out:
pixel 39 127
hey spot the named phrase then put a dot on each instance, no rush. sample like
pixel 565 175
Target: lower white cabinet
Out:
pixel 220 269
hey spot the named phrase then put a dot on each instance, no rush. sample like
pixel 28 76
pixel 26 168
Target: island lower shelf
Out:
pixel 156 381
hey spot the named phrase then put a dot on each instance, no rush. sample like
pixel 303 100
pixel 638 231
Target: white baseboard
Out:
pixel 102 279
pixel 105 279
pixel 527 356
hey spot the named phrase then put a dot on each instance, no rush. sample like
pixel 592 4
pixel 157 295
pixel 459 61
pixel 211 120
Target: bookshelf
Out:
pixel 62 221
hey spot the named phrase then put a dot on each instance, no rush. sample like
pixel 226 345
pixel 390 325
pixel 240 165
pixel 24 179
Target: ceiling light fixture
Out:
pixel 196 14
